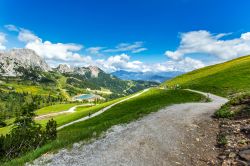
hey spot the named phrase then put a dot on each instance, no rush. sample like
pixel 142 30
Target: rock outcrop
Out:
pixel 63 68
pixel 12 60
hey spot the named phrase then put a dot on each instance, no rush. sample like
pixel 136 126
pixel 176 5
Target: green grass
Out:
pixel 224 112
pixel 33 89
pixel 125 112
pixel 80 108
pixel 61 119
pixel 5 130
pixel 223 79
pixel 237 107
pixel 55 108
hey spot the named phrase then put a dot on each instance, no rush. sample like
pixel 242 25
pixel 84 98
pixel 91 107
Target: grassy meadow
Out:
pixel 55 108
pixel 223 79
pixel 124 112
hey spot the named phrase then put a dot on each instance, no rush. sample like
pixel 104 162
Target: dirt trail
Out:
pixel 70 110
pixel 102 110
pixel 180 134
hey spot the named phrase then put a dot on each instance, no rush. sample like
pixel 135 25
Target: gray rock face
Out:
pixel 80 70
pixel 63 68
pixel 92 70
pixel 11 60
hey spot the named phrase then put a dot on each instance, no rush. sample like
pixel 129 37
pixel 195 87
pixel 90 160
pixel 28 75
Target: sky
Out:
pixel 132 35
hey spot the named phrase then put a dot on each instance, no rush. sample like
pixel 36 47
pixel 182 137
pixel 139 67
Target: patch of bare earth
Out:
pixel 234 136
pixel 236 151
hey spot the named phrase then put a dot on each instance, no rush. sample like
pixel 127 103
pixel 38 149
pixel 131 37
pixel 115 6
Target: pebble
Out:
pixel 232 155
pixel 245 154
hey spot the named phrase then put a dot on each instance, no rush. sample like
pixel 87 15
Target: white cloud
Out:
pixel 2 41
pixel 11 27
pixel 213 44
pixel 120 62
pixel 135 47
pixel 28 36
pixel 54 53
pixel 123 62
pixel 184 65
pixel 94 50
pixel 139 50
pixel 68 53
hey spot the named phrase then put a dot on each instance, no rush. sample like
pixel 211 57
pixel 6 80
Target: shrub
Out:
pixel 222 140
pixel 224 112
pixel 26 135
pixel 51 132
pixel 2 123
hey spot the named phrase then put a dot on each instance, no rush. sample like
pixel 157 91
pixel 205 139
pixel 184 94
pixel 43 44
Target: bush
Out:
pixel 2 123
pixel 224 112
pixel 26 135
pixel 229 111
pixel 51 132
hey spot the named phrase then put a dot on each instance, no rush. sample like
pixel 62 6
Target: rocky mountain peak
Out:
pixel 64 68
pixel 94 71
pixel 13 59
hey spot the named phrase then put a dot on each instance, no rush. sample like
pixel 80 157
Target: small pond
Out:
pixel 84 96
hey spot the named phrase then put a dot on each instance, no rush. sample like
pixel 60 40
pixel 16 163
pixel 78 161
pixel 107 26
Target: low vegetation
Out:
pixel 237 107
pixel 225 79
pixel 124 112
pixel 26 135
pixel 55 108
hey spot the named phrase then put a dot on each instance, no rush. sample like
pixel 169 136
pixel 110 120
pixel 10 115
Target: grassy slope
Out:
pixel 124 112
pixel 55 108
pixel 64 118
pixel 223 79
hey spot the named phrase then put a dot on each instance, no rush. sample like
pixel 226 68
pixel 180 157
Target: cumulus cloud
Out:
pixel 54 53
pixel 123 62
pixel 68 53
pixel 2 41
pixel 205 42
pixel 120 62
pixel 28 36
pixel 135 47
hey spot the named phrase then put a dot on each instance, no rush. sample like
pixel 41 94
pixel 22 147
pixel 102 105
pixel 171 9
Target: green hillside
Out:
pixel 122 113
pixel 223 79
pixel 49 88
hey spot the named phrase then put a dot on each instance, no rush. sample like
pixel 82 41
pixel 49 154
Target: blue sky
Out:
pixel 134 35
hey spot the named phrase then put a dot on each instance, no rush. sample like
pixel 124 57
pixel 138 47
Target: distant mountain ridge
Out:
pixel 24 66
pixel 65 69
pixel 146 76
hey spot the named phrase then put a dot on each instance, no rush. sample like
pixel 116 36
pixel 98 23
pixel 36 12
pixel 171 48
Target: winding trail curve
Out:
pixel 102 110
pixel 70 110
pixel 166 137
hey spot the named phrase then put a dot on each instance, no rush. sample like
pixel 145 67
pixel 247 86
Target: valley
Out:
pixel 87 109
pixel 124 83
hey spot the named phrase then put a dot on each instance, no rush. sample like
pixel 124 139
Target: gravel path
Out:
pixel 102 110
pixel 70 110
pixel 166 137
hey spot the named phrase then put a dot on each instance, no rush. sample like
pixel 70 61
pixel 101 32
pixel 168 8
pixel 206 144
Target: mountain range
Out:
pixel 25 68
pixel 146 76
